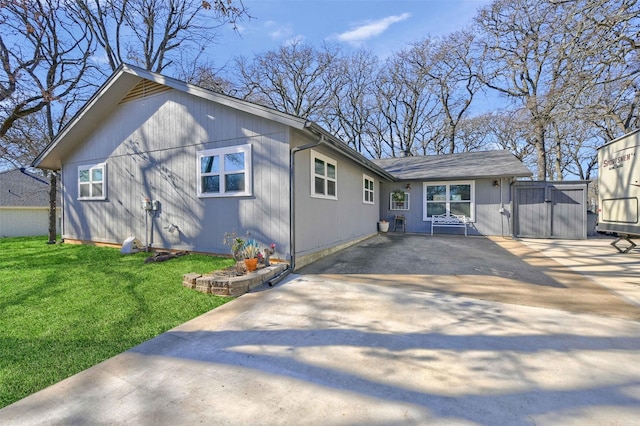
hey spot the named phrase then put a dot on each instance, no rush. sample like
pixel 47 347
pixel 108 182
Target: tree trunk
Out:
pixel 541 152
pixel 558 160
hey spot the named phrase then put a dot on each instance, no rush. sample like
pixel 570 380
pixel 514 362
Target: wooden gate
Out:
pixel 550 209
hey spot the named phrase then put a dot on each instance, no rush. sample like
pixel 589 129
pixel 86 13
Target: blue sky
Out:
pixel 382 26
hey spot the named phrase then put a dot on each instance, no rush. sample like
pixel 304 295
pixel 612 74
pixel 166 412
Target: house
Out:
pixel 24 204
pixel 474 184
pixel 178 166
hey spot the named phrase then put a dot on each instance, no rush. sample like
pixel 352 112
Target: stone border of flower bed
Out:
pixel 222 285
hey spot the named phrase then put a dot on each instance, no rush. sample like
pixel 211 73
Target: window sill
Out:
pixel 322 197
pixel 226 195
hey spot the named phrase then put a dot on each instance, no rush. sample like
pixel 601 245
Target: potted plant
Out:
pixel 383 225
pixel 250 251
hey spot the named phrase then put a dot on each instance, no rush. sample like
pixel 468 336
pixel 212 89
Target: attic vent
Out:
pixel 143 89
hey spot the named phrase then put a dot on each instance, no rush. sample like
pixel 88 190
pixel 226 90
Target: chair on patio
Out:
pixel 399 222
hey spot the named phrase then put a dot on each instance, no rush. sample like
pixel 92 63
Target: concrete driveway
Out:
pixel 528 272
pixel 411 345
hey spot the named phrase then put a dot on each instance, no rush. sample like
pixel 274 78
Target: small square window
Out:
pixel 92 183
pixel 399 200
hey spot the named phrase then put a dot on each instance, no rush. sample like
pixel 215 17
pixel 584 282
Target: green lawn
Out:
pixel 64 308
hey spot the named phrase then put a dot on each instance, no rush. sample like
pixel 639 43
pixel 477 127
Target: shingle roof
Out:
pixel 466 165
pixel 22 189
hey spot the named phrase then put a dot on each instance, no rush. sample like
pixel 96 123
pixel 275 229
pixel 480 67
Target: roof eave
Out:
pixel 46 160
pixel 344 149
pixel 116 87
pixel 460 177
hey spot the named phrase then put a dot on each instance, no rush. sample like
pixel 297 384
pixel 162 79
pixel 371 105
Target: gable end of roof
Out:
pixel 144 89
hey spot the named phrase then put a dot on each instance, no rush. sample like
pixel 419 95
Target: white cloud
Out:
pixel 371 29
pixel 282 32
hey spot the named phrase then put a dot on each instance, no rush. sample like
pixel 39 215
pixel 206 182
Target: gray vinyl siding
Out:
pixel 325 223
pixel 489 200
pixel 150 147
pixel 414 222
pixel 488 219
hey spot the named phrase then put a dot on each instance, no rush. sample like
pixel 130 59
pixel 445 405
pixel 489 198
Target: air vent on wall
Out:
pixel 143 89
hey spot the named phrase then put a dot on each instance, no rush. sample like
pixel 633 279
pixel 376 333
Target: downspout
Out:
pixel 292 227
pixel 512 205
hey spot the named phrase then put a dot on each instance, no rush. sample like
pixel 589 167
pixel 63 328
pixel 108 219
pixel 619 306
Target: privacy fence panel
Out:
pixel 550 209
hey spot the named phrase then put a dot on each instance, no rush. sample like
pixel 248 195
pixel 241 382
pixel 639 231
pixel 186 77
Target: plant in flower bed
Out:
pixel 68 307
pixel 243 252
pixel 251 249
pixel 236 244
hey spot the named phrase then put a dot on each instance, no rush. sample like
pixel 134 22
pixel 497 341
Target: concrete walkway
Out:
pixel 359 350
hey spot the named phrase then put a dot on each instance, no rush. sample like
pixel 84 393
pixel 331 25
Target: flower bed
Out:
pixel 228 284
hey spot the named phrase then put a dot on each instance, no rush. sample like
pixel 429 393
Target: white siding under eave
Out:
pixel 25 221
pixel 150 147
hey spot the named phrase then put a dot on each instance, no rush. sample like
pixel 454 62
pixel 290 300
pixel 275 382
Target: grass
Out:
pixel 64 308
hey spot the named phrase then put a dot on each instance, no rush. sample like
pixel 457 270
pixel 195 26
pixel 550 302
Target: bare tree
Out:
pixel 154 33
pixel 453 71
pixel 521 61
pixel 296 78
pixel 354 103
pixel 207 76
pixel 24 140
pixel 45 57
pixel 507 130
pixel 405 103
pixel 475 133
pixel 555 57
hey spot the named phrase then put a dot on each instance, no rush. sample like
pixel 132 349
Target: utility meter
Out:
pixel 155 205
pixel 146 204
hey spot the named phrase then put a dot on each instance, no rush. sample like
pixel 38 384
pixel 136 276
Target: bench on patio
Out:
pixel 450 221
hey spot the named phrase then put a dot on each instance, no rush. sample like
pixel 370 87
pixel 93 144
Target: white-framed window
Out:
pixel 368 191
pixel 398 202
pixel 449 198
pixel 92 182
pixel 225 172
pixel 324 176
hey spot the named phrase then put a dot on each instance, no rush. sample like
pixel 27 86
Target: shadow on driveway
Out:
pixel 489 268
pixel 365 349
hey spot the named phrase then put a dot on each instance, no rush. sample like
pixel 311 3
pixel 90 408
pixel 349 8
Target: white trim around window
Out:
pixel 324 176
pixel 450 197
pixel 92 182
pixel 225 172
pixel 368 189
pixel 399 205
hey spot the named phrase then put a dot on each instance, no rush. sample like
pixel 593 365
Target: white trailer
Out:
pixel 619 188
